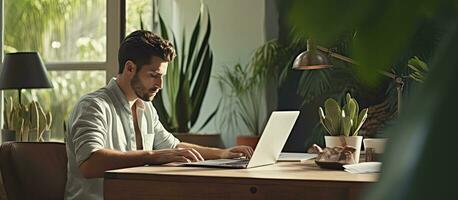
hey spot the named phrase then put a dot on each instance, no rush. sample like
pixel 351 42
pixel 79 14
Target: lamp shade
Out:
pixel 311 59
pixel 23 70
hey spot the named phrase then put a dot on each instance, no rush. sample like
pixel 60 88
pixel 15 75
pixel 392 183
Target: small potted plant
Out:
pixel 343 124
pixel 25 122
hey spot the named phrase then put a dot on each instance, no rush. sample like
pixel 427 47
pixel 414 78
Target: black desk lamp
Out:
pixel 313 58
pixel 23 70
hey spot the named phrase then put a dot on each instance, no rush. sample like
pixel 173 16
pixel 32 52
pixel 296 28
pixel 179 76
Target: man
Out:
pixel 117 126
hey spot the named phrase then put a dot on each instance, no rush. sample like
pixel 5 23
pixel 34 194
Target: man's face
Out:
pixel 148 81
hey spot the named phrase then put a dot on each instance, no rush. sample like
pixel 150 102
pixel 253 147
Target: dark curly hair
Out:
pixel 140 46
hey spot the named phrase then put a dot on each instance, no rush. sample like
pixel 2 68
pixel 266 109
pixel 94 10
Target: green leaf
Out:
pixel 362 118
pixel 162 112
pixel 193 42
pixel 164 30
pixel 355 117
pixel 333 113
pixel 346 125
pixel 183 106
pixel 329 124
pixel 183 68
pixel 202 48
pixel 351 108
pixel 348 98
pixel 322 118
pixel 201 84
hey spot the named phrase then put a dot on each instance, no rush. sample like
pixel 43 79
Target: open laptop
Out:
pixel 269 146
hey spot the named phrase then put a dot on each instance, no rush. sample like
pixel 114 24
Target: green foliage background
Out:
pixel 79 26
pixel 421 145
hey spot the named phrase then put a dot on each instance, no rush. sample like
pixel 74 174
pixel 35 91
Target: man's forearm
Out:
pixel 206 152
pixel 106 159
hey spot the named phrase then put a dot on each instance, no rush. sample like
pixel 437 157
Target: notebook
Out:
pixel 295 157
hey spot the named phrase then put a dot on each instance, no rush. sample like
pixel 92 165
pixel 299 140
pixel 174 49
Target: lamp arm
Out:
pixel 399 80
pixel 349 60
pixel 336 55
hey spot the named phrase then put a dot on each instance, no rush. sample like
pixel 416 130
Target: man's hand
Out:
pixel 107 159
pixel 163 156
pixel 237 151
pixel 217 153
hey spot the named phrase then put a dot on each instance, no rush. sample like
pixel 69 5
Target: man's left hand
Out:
pixel 237 151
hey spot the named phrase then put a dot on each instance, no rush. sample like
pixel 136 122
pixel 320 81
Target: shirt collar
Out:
pixel 114 87
pixel 116 90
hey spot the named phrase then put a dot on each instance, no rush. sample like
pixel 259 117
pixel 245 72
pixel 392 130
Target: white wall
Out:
pixel 237 30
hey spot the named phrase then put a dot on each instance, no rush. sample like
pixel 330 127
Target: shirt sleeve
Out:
pixel 162 138
pixel 88 130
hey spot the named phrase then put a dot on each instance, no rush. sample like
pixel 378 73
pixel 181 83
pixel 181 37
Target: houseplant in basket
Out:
pixel 343 124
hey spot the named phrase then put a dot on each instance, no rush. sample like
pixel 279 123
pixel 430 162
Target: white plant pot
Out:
pixel 355 141
pixel 377 144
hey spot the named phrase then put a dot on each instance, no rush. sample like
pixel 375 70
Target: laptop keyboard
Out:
pixel 238 162
pixel 226 162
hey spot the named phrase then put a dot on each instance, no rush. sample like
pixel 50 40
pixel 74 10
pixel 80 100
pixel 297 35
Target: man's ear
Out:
pixel 130 67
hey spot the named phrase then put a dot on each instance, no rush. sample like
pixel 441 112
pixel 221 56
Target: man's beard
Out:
pixel 141 92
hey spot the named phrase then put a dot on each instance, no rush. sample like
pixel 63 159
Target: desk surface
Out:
pixel 284 180
pixel 283 170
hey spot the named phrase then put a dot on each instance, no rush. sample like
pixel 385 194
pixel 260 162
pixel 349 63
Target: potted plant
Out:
pixel 343 123
pixel 25 122
pixel 373 141
pixel 186 84
pixel 243 102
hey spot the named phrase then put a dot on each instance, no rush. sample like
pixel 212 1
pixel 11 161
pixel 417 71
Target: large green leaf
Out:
pixel 205 42
pixel 201 84
pixel 164 32
pixel 193 42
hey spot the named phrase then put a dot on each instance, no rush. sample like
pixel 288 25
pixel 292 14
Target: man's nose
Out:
pixel 159 83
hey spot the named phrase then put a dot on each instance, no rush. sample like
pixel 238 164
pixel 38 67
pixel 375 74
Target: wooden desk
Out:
pixel 285 180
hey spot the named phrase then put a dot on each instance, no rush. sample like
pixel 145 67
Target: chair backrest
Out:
pixel 33 170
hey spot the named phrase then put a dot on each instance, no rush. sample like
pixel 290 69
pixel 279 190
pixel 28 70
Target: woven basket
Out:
pixel 377 117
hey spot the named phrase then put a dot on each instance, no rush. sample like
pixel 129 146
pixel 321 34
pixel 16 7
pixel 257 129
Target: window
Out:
pixel 61 31
pixel 139 14
pixel 77 39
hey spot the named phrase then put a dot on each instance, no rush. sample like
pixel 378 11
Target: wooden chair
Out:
pixel 33 170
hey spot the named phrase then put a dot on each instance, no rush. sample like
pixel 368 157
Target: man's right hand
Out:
pixel 107 159
pixel 183 155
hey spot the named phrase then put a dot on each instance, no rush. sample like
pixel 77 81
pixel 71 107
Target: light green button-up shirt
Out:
pixel 103 119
